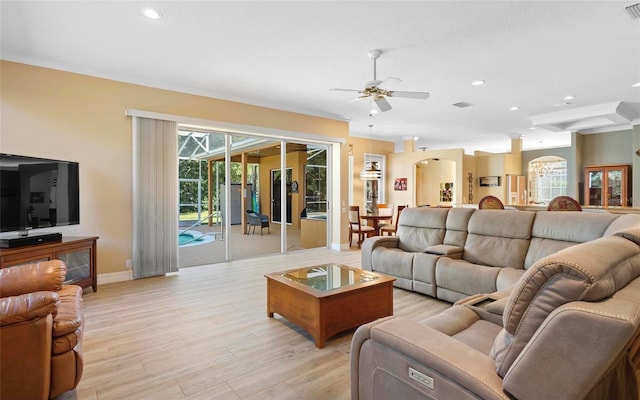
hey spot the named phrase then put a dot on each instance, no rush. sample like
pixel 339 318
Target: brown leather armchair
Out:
pixel 41 323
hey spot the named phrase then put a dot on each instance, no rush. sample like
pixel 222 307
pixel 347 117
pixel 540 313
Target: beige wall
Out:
pixel 429 176
pixel 62 115
pixel 360 148
pixel 403 165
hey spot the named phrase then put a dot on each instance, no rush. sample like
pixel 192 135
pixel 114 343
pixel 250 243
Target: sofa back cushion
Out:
pixel 457 223
pixel 589 271
pixel 419 228
pixel 553 231
pixel 498 238
pixel 622 223
pixel 28 278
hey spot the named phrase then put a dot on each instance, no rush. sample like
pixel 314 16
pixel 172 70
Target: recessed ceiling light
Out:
pixel 151 13
pixel 569 97
pixel 533 128
pixel 415 138
pixel 636 85
pixel 514 108
pixel 478 83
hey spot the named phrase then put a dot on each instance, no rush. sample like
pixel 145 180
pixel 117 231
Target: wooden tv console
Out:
pixel 79 253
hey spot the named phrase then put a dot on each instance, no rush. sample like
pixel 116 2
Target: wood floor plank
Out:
pixel 203 333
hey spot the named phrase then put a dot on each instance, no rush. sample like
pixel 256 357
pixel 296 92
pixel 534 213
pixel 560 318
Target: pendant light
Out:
pixel 370 171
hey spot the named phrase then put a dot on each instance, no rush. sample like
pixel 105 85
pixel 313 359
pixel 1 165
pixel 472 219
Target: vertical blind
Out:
pixel 155 197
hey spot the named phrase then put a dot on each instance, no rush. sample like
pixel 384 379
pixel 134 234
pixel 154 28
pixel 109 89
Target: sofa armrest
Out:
pixel 454 367
pixel 446 250
pixel 371 243
pixel 579 339
pixel 27 307
pixel 28 278
pixel 488 306
pixel 70 315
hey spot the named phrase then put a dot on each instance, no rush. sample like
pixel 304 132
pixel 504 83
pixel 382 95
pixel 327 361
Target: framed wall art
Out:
pixel 400 184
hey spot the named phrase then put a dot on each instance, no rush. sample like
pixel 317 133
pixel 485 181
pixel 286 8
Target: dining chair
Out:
pixel 392 228
pixel 355 227
pixel 385 209
pixel 490 203
pixel 564 203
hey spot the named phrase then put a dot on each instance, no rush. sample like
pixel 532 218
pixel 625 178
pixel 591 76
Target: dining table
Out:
pixel 375 220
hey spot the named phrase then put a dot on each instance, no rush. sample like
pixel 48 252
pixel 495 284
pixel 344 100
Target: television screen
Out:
pixel 37 193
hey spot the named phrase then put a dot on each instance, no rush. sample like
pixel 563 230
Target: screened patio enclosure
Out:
pixel 246 171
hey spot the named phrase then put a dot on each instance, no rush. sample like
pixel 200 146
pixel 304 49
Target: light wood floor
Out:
pixel 203 333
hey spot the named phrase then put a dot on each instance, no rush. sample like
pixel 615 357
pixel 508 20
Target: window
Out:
pixel 547 179
pixel 374 188
pixel 315 175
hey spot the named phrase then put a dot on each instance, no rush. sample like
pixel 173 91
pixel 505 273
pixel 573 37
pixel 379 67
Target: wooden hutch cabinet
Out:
pixel 606 186
pixel 78 253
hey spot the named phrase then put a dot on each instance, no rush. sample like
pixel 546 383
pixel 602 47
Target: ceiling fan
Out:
pixel 378 91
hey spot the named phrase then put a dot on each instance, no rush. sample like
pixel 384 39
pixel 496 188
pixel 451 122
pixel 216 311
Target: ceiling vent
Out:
pixel 634 10
pixel 462 104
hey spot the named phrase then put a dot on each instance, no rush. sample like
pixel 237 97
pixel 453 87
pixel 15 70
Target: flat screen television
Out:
pixel 37 193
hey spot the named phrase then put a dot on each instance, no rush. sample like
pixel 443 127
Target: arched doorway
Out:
pixel 435 182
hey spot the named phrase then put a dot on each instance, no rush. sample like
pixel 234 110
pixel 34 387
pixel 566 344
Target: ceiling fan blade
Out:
pixel 358 99
pixel 387 83
pixel 382 104
pixel 410 95
pixel 345 90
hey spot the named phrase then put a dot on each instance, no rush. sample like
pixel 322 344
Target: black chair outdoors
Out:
pixel 254 219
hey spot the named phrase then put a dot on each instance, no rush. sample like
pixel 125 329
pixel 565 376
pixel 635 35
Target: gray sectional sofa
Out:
pixel 454 253
pixel 547 306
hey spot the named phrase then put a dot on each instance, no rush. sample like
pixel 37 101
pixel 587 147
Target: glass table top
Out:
pixel 329 276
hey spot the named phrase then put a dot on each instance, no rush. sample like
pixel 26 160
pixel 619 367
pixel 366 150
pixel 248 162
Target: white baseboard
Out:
pixel 114 277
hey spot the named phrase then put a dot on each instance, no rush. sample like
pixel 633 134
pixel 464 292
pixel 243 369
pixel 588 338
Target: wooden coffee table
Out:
pixel 330 298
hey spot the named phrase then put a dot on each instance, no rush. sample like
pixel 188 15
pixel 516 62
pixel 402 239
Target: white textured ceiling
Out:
pixel 287 55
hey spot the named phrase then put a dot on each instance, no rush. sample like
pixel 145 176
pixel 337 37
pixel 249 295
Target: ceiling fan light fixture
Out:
pixel 151 13
pixel 370 171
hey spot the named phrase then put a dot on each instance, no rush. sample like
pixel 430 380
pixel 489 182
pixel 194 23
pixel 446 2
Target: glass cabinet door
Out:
pixel 606 186
pixel 78 265
pixel 594 191
pixel 614 187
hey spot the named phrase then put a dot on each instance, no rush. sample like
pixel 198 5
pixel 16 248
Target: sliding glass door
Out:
pixel 232 202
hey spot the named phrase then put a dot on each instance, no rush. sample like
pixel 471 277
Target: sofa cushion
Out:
pixel 27 307
pixel 498 238
pixel 424 273
pixel 623 222
pixel 508 277
pixel 457 222
pixel 419 228
pixel 553 231
pixel 464 277
pixel 589 271
pixel 445 250
pixel 394 262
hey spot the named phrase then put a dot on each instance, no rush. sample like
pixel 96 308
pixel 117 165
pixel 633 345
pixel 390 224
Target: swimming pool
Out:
pixel 193 238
